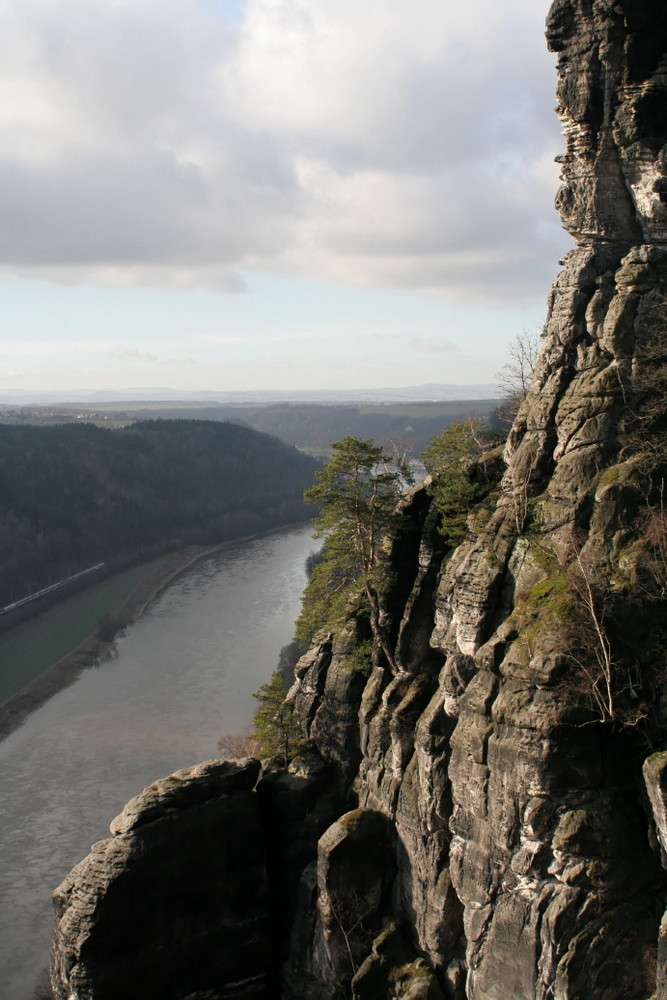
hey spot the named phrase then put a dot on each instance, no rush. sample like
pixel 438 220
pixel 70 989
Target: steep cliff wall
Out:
pixel 492 837
pixel 524 867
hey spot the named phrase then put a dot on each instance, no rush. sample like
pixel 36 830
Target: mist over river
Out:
pixel 183 675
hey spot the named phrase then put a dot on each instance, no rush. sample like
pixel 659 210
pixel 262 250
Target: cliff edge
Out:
pixel 487 821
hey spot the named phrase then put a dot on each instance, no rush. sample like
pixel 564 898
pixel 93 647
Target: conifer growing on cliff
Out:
pixel 277 734
pixel 358 494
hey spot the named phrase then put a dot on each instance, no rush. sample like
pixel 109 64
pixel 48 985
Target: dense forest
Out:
pixel 74 495
pixel 309 426
pixel 313 426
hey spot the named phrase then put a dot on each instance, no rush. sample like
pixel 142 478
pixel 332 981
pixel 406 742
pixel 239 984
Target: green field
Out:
pixel 29 648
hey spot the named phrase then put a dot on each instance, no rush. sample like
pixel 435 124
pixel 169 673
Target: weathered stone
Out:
pixel 655 778
pixel 177 902
pixel 388 952
pixel 355 873
pixel 192 786
pixel 501 827
pixel 296 807
pixel 548 851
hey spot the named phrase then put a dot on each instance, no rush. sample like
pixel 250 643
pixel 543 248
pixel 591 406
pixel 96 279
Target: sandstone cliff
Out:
pixel 476 825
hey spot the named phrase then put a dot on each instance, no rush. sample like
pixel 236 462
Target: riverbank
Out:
pixel 178 678
pixel 16 708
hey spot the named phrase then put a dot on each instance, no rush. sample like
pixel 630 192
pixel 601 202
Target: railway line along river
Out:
pixel 182 676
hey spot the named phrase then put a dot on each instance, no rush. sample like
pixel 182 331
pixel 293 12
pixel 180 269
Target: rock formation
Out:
pixel 162 898
pixel 194 895
pixel 492 836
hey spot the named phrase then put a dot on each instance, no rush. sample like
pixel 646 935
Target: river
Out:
pixel 179 678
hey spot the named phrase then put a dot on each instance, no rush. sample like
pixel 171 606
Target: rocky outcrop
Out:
pixel 194 896
pixel 177 901
pixel 524 863
pixel 473 824
pixel 655 776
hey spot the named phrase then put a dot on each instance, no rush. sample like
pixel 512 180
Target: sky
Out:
pixel 272 194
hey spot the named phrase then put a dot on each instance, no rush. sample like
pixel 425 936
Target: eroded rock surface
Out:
pixel 524 863
pixel 483 827
pixel 194 896
pixel 177 901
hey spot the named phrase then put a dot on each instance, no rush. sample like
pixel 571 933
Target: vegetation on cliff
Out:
pixel 464 469
pixel 358 494
pixel 277 734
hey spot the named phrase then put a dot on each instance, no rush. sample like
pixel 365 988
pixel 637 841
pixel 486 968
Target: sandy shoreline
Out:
pixel 19 706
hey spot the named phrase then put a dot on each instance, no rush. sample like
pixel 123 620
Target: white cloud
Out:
pixel 375 143
pixel 432 345
pixel 131 354
pixel 51 348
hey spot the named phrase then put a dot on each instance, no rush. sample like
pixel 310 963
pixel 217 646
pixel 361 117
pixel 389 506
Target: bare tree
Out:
pixel 612 683
pixel 401 451
pixel 516 376
pixel 233 746
pixel 590 646
pixel 350 913
pixel 517 487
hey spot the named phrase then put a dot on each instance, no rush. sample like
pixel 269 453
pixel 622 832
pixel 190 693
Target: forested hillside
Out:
pixel 74 495
pixel 316 426
pixel 309 426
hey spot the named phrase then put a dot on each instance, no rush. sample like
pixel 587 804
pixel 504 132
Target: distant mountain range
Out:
pixel 432 392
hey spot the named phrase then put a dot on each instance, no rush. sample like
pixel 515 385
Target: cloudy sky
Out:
pixel 221 194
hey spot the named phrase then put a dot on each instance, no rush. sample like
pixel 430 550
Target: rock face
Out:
pixel 524 863
pixel 195 894
pixel 489 833
pixel 178 898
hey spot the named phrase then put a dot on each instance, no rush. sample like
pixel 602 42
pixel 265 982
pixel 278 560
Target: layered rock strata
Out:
pixel 491 834
pixel 177 899
pixel 524 863
pixel 194 895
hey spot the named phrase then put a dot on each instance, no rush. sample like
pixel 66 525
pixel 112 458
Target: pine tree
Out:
pixel 277 733
pixel 452 459
pixel 358 493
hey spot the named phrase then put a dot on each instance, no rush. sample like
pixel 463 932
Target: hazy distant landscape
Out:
pixel 308 426
pixel 430 392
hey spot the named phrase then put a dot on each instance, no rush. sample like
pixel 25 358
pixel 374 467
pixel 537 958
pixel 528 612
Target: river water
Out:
pixel 181 677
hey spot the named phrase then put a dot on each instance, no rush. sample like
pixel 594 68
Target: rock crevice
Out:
pixel 475 826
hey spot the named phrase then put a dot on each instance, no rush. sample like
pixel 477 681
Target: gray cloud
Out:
pixel 376 144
